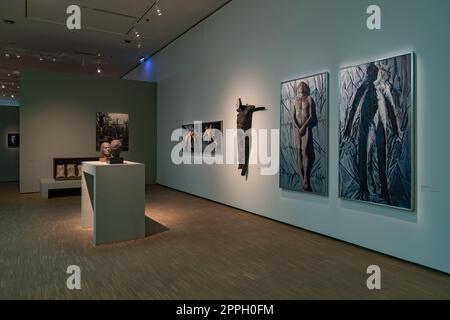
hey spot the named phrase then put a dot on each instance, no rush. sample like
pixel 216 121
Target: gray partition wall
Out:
pixel 58 120
pixel 248 48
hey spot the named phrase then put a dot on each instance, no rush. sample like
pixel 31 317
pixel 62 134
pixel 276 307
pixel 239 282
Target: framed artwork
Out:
pixel 60 172
pixel 71 174
pixel 304 134
pixel 208 138
pixel 13 140
pixel 376 124
pixel 111 126
pixel 190 138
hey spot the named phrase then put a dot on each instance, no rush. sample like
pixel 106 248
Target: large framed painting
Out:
pixel 111 126
pixel 376 124
pixel 208 136
pixel 304 134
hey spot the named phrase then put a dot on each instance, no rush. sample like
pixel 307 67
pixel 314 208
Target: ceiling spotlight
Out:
pixel 158 10
pixel 54 59
pixel 18 56
pixel 99 69
pixel 12 96
pixel 41 59
pixel 6 55
pixel 3 86
pixel 9 74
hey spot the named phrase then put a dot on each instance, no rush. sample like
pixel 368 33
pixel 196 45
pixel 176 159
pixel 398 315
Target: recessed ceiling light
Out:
pixel 12 96
pixel 9 74
pixel 41 59
pixel 7 55
pixel 18 56
pixel 158 10
pixel 3 86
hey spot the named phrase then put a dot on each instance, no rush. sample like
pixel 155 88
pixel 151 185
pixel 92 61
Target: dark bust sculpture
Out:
pixel 105 152
pixel 116 149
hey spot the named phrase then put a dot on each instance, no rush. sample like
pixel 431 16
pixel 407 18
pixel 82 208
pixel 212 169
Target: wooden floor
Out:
pixel 196 249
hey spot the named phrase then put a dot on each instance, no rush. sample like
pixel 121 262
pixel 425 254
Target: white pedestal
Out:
pixel 113 200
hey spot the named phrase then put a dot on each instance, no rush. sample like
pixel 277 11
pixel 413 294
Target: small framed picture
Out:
pixel 60 172
pixel 71 171
pixel 13 140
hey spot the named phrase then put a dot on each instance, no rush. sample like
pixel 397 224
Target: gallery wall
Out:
pixel 9 157
pixel 248 48
pixel 58 120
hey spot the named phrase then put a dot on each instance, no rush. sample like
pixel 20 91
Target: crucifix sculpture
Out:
pixel 244 123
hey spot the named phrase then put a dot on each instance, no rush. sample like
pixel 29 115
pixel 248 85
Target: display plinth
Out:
pixel 113 201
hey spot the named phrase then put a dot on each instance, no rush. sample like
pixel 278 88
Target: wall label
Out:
pixel 426 188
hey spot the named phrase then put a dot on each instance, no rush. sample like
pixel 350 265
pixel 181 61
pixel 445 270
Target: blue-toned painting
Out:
pixel 376 132
pixel 304 134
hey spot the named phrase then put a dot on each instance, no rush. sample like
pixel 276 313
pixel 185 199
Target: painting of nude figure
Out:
pixel 304 134
pixel 376 132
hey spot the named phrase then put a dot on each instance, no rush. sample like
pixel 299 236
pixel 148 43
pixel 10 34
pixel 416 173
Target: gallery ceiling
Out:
pixel 34 35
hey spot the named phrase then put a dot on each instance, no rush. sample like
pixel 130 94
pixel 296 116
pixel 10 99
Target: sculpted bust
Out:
pixel 116 149
pixel 105 151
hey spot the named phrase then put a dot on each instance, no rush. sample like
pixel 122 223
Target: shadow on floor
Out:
pixel 153 228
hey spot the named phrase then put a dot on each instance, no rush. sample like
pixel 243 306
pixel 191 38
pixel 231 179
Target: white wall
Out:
pixel 58 116
pixel 9 157
pixel 249 47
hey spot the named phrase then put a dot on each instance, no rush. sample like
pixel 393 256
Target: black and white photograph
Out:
pixel 209 139
pixel 112 126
